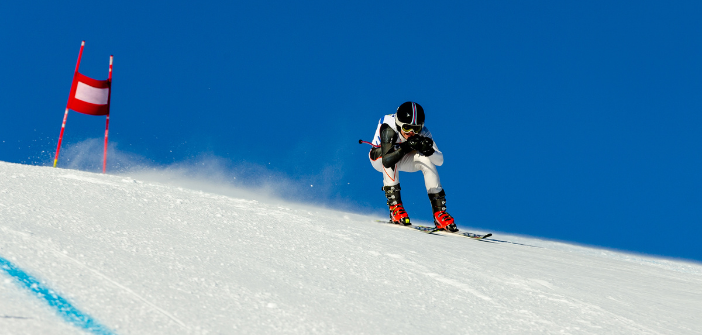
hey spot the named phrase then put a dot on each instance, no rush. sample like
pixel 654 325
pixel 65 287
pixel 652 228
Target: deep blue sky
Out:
pixel 573 121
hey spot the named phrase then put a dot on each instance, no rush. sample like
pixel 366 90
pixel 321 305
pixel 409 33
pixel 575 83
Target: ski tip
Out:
pixel 480 237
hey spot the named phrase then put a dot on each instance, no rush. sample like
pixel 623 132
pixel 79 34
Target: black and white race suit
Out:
pixel 388 157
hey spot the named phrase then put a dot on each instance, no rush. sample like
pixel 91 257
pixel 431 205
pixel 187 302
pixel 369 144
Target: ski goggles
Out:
pixel 412 128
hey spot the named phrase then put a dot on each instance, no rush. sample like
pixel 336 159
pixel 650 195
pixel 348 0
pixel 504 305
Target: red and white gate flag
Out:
pixel 89 96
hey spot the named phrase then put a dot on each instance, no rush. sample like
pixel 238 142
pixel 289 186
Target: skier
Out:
pixel 403 143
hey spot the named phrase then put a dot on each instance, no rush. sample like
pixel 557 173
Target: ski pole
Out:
pixel 366 142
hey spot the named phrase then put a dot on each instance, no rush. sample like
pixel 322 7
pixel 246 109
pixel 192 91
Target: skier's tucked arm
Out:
pixel 391 154
pixel 437 157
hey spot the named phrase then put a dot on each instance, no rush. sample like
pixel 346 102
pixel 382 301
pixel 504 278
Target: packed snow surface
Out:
pixel 142 257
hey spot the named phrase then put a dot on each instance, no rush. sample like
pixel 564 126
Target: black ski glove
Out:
pixel 415 142
pixel 426 146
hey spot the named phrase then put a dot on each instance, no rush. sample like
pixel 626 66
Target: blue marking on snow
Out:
pixel 69 313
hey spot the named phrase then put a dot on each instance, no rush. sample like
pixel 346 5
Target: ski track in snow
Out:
pixel 98 274
pixel 147 258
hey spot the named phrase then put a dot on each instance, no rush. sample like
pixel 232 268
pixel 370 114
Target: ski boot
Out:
pixel 442 220
pixel 398 214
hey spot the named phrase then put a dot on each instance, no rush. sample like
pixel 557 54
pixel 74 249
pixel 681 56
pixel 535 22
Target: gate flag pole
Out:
pixel 65 114
pixel 107 123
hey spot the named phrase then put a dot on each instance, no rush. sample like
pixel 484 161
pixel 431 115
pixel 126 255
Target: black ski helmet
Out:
pixel 410 113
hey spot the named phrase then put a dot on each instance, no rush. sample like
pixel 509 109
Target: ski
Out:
pixel 475 236
pixel 433 230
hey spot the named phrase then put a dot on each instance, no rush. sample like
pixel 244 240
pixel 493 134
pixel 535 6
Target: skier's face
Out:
pixel 407 135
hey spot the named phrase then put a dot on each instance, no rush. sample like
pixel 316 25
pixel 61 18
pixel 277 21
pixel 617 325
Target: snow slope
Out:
pixel 147 258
